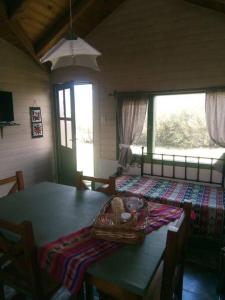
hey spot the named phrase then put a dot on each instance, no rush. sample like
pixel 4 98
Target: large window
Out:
pixel 175 124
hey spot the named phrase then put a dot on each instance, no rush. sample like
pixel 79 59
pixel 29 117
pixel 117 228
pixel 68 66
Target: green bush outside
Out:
pixel 182 130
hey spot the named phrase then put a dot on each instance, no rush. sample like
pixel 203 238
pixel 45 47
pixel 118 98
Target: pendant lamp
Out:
pixel 70 51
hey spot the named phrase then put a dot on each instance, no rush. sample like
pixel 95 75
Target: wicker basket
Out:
pixel 113 231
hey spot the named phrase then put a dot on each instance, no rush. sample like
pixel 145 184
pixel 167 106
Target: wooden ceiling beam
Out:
pixel 15 7
pixel 216 5
pixel 61 27
pixel 14 26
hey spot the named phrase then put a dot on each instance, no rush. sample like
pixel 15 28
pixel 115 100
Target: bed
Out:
pixel 208 198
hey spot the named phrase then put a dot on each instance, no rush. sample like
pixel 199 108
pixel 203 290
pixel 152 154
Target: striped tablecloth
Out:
pixel 68 258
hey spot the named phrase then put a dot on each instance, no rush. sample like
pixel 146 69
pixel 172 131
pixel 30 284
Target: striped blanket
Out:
pixel 68 258
pixel 208 201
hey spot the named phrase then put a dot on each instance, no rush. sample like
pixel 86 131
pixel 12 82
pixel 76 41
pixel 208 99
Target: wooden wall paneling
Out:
pixel 19 33
pixel 29 84
pixel 39 25
pixel 158 45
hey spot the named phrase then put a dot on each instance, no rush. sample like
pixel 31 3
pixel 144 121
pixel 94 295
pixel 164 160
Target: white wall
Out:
pixel 30 86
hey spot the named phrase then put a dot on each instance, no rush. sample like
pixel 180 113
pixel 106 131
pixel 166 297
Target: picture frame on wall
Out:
pixel 36 122
pixel 35 113
pixel 37 130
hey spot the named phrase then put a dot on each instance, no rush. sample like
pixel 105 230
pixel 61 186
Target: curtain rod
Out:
pixel 163 92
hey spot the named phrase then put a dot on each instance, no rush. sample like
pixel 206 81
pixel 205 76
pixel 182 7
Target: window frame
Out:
pixel 151 134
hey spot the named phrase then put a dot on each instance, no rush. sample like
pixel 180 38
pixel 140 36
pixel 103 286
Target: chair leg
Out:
pixel 89 291
pixel 221 283
pixel 180 284
pixel 2 293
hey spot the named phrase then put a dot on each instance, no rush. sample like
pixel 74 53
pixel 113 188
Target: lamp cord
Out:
pixel 71 25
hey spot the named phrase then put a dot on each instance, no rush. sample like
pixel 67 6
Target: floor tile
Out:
pixel 200 280
pixel 194 296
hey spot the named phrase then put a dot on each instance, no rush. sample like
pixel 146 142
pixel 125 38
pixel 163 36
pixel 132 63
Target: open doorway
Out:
pixel 84 128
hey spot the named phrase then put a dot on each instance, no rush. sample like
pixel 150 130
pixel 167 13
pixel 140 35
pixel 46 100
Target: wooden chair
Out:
pixel 107 187
pixel 18 262
pixel 17 180
pixel 167 283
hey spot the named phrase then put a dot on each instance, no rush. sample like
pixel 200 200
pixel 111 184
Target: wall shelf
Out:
pixel 5 124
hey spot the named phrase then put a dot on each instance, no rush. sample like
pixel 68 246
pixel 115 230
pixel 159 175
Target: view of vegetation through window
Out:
pixel 180 127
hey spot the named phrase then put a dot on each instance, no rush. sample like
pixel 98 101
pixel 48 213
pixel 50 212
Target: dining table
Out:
pixel 57 210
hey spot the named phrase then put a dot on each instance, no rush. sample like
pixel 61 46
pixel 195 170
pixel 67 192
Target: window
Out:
pixel 176 125
pixel 64 105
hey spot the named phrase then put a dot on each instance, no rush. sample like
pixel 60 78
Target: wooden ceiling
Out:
pixel 37 25
pixel 217 5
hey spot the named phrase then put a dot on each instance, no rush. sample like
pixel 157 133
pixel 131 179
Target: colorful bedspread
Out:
pixel 208 201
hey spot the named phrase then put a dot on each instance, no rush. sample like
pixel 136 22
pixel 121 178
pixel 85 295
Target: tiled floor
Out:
pixel 201 270
pixel 199 283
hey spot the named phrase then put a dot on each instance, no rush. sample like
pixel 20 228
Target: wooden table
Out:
pixel 57 210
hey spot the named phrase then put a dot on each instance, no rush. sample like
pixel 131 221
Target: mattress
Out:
pixel 208 201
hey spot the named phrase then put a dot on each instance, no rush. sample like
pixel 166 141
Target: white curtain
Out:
pixel 215 115
pixel 131 111
pixel 215 120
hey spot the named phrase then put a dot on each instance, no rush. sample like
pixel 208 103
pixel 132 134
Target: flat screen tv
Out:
pixel 6 107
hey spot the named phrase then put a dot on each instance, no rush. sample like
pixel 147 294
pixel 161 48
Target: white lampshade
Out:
pixel 68 52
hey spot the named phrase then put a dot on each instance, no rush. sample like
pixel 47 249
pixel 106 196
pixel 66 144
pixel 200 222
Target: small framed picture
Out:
pixel 35 113
pixel 36 122
pixel 37 130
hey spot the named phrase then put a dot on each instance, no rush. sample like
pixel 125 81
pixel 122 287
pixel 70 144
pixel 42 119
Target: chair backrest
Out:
pixel 174 256
pixel 107 187
pixel 17 180
pixel 18 267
